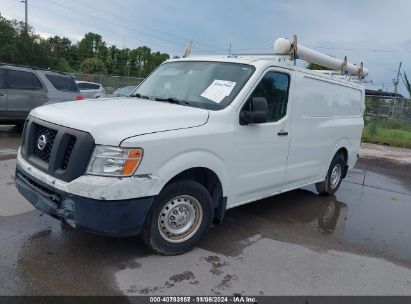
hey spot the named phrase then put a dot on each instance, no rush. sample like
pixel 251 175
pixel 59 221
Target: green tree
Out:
pixel 64 66
pixel 92 45
pixel 8 37
pixel 60 52
pixel 314 66
pixel 19 46
pixel 93 66
pixel 90 54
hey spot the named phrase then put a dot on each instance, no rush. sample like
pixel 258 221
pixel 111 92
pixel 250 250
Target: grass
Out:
pixel 393 132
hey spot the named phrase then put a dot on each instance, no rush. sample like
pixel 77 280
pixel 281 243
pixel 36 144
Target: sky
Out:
pixel 377 32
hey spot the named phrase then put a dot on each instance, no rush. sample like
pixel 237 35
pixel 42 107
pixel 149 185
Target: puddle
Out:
pixel 376 219
pixel 58 260
pixel 378 181
pixel 10 139
pixel 366 219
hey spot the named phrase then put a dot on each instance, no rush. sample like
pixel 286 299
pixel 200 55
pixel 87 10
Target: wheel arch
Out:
pixel 343 147
pixel 203 167
pixel 210 180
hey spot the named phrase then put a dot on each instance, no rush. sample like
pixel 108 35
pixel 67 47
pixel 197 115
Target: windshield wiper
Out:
pixel 172 100
pixel 138 95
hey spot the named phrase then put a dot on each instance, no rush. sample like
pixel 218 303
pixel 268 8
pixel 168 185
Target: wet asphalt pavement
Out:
pixel 357 242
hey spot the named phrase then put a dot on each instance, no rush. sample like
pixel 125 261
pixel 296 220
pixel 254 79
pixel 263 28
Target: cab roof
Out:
pixel 263 61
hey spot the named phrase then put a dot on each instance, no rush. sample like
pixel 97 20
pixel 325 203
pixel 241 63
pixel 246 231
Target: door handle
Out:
pixel 282 133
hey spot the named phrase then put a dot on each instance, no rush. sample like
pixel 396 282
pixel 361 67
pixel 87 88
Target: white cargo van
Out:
pixel 201 135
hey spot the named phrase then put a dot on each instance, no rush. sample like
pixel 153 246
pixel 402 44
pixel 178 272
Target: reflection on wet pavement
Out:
pixel 363 219
pixel 377 220
pixel 10 138
pixel 378 181
pixel 57 259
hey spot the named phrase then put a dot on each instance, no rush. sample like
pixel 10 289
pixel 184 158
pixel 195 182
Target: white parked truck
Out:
pixel 199 136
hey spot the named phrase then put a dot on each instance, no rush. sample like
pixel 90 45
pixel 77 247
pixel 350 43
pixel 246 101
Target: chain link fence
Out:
pixel 388 107
pixel 110 83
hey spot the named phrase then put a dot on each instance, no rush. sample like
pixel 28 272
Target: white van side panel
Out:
pixel 326 99
pixel 327 116
pixel 317 98
pixel 347 101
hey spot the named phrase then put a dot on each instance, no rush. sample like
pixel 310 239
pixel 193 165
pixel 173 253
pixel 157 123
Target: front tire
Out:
pixel 181 214
pixel 334 176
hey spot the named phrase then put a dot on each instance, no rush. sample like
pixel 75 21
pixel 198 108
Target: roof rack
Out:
pixel 30 67
pixel 261 56
pixel 283 46
pixel 347 76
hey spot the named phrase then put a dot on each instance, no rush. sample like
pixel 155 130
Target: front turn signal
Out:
pixel 133 160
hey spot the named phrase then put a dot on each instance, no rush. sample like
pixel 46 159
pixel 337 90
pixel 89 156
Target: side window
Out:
pixel 21 80
pixel 62 83
pixel 91 86
pixel 274 87
pixel 87 86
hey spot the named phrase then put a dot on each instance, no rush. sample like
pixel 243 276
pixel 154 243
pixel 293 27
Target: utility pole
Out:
pixel 396 82
pixel 25 14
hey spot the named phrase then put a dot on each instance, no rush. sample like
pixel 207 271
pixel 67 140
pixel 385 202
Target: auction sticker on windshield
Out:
pixel 218 89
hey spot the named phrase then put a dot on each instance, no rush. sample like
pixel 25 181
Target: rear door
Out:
pixel 3 95
pixel 24 93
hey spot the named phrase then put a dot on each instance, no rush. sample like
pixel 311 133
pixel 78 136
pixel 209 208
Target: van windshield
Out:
pixel 209 85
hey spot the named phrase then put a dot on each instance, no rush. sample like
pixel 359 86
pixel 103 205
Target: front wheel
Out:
pixel 334 177
pixel 181 215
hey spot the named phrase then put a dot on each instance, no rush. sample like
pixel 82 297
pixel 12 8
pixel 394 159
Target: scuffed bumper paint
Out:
pixel 108 217
pixel 98 187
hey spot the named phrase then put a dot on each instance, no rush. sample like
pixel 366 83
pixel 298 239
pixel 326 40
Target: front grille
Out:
pixel 68 152
pixel 50 135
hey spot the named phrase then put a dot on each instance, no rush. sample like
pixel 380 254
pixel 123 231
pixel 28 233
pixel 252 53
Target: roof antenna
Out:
pixel 344 66
pixel 187 53
pixel 293 50
pixel 361 71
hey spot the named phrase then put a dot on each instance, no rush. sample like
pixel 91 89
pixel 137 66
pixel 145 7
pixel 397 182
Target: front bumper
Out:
pixel 109 217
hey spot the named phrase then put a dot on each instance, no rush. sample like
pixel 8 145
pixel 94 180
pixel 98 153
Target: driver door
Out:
pixel 261 149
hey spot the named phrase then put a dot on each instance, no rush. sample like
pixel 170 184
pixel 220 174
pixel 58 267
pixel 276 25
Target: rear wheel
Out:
pixel 180 216
pixel 334 176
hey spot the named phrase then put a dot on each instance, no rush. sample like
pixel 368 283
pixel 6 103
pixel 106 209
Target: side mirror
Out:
pixel 258 112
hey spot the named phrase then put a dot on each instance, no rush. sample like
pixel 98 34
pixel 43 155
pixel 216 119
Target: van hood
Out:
pixel 110 121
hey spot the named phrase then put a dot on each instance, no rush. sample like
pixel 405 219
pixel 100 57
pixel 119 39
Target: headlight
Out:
pixel 114 161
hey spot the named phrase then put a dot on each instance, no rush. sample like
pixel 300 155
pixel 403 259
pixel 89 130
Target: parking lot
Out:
pixel 297 243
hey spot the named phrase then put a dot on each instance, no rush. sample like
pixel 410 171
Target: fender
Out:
pixel 193 159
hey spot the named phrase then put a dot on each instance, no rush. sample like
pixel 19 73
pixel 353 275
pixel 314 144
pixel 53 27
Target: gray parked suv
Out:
pixel 24 88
